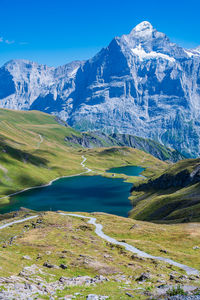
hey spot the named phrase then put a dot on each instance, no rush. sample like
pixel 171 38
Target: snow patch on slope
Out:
pixel 192 53
pixel 143 55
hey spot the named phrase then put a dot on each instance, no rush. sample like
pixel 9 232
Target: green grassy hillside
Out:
pixel 173 196
pixel 33 151
pixel 53 240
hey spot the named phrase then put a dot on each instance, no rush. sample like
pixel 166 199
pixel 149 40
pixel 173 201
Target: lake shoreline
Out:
pixel 119 185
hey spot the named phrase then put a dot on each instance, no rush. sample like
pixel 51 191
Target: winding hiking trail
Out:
pixel 83 165
pixel 41 141
pixel 100 233
pixel 17 221
pixel 5 171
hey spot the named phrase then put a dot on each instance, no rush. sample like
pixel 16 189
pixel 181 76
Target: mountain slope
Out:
pixel 173 196
pixel 33 151
pixel 141 84
pixel 98 139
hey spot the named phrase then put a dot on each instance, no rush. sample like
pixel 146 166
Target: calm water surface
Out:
pixel 81 193
pixel 128 170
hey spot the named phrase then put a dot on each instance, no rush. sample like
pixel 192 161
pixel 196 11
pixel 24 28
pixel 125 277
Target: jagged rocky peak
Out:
pixel 144 32
pixel 193 53
pixel 196 50
pixel 23 64
pixel 146 42
pixel 69 69
pixel 143 26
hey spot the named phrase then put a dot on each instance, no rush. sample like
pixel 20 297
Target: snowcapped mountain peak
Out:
pixel 143 26
pixel 145 34
pixel 192 53
pixel 145 38
pixel 197 49
pixel 143 30
pixel 145 42
pixel 24 65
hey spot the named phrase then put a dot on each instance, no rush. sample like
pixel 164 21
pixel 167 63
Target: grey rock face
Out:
pixel 98 139
pixel 141 84
pixel 144 276
pixel 27 287
pixel 80 280
pixel 96 297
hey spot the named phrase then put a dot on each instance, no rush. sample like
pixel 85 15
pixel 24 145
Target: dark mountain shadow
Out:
pixel 21 155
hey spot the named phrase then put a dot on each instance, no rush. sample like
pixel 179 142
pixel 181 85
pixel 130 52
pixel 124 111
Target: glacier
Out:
pixel 141 84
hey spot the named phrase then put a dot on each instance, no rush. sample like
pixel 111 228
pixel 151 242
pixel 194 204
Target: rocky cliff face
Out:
pixel 26 85
pixel 141 84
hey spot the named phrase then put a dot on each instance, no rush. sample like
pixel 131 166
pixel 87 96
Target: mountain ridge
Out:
pixel 99 139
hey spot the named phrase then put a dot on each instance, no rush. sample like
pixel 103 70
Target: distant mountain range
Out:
pixel 141 84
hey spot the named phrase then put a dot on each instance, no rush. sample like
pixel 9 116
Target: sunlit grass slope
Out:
pixel 173 196
pixel 32 150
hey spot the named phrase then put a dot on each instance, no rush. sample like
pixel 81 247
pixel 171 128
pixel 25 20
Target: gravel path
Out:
pixel 100 233
pixel 17 221
pixel 40 142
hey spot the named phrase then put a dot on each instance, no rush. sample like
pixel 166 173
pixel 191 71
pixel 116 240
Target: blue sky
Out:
pixel 55 32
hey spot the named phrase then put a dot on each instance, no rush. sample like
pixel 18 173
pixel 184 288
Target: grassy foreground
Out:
pixel 71 241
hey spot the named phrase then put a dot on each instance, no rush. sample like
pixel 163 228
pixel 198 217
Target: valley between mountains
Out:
pixel 100 174
pixel 47 255
pixel 35 151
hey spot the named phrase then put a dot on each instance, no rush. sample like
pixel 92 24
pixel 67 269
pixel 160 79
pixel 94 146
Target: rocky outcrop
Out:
pixel 26 287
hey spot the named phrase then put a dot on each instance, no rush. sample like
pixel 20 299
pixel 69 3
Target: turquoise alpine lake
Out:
pixel 127 170
pixel 79 193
